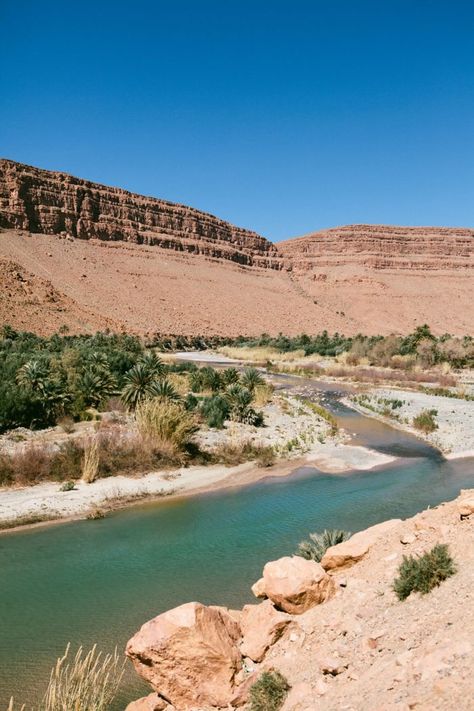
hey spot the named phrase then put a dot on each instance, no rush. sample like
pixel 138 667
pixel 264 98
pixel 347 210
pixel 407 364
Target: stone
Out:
pixel 466 507
pixel 407 538
pixel 332 666
pixel 152 702
pixel 350 551
pixel 258 588
pixel 295 584
pixel 262 625
pixel 189 655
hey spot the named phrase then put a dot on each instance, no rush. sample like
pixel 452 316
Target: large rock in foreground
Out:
pixel 189 655
pixel 262 626
pixel 356 547
pixel 294 584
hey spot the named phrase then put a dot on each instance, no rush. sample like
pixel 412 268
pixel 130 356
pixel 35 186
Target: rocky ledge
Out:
pixel 335 630
pixel 50 202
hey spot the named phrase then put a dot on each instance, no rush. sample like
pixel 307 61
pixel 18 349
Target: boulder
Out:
pixel 189 655
pixel 295 584
pixel 261 626
pixel 358 545
pixel 152 702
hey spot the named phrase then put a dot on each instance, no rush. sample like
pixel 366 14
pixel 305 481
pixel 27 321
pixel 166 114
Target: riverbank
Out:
pixel 453 417
pixel 43 504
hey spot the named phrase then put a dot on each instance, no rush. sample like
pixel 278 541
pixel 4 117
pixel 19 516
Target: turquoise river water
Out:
pixel 98 581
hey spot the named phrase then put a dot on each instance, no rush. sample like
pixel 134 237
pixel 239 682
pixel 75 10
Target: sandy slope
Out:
pixel 149 289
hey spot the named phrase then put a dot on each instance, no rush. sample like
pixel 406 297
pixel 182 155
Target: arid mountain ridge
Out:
pixel 110 258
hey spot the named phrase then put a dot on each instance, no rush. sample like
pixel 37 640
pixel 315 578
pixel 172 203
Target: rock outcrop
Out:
pixel 189 655
pixel 294 584
pixel 48 202
pixel 380 247
pixel 356 547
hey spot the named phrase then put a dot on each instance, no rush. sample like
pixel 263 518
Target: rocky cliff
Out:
pixel 382 247
pixel 47 202
pixel 155 266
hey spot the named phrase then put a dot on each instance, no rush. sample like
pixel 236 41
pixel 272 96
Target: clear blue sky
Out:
pixel 284 117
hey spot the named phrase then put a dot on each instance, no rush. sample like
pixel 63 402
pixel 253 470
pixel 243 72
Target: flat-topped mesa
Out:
pixel 50 202
pixel 382 247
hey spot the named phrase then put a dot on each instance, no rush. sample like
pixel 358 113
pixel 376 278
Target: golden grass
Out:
pixel 89 682
pixel 180 382
pixel 262 394
pixel 260 353
pixel 90 462
pixel 166 426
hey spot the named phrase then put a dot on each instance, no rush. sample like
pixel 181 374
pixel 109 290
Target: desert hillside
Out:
pixel 146 265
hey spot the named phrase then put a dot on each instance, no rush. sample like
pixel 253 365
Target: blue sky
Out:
pixel 284 117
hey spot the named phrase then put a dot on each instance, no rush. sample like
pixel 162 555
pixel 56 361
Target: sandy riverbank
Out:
pixel 454 417
pixel 44 503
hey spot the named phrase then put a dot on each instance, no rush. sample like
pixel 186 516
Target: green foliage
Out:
pixel 230 376
pixel 424 573
pixel 318 543
pixel 67 486
pixel 166 391
pixel 215 410
pixel 251 378
pixel 42 379
pixel 140 383
pixel 425 421
pixel 269 692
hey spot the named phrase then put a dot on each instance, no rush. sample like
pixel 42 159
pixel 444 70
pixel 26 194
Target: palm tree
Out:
pixel 318 543
pixel 251 378
pixel 230 376
pixel 95 385
pixel 139 384
pixel 166 391
pixel 153 363
pixel 239 400
pixel 33 375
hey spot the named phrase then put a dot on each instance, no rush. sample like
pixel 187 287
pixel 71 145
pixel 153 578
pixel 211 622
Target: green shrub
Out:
pixel 269 692
pixel 251 378
pixel 67 486
pixel 318 543
pixel 425 421
pixel 424 573
pixel 215 410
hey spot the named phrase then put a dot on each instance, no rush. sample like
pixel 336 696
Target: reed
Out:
pixel 90 462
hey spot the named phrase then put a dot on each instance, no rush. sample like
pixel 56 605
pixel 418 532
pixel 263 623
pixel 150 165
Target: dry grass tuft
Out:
pixel 88 683
pixel 91 460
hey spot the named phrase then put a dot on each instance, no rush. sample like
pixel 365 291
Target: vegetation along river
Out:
pixel 98 581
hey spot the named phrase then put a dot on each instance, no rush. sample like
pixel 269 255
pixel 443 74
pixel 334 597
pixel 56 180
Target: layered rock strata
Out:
pixel 43 201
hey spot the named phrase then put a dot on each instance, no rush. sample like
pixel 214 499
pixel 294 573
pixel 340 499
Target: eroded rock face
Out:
pixel 261 626
pixel 189 655
pixel 352 550
pixel 53 203
pixel 381 247
pixel 294 584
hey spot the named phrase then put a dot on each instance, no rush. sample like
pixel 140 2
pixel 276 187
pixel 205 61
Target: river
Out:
pixel 98 581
